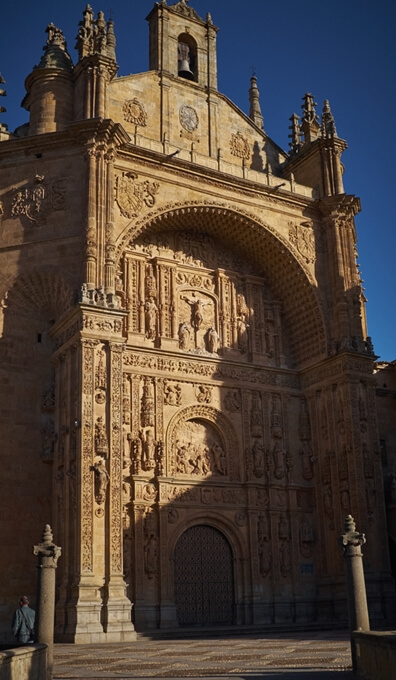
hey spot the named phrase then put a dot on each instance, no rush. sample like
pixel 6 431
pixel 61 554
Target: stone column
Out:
pixel 351 541
pixel 48 554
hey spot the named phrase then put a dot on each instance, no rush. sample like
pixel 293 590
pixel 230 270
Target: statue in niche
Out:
pixel 151 555
pixel 256 416
pixel 148 449
pixel 204 394
pixel 147 412
pixel 345 500
pixel 101 444
pixel 101 481
pixel 150 314
pixel 258 453
pixel 328 504
pixel 276 417
pixel 212 340
pixel 279 460
pixel 136 455
pixel 265 558
pixel 306 460
pixel 285 558
pixel 197 308
pixel 284 528
pixel 184 336
pixel 270 336
pixel 172 394
pixel 306 539
pixel 233 401
pixel 242 330
pixel 219 458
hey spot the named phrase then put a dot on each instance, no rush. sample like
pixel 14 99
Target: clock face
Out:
pixel 188 118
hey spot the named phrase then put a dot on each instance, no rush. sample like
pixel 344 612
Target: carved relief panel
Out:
pixel 186 292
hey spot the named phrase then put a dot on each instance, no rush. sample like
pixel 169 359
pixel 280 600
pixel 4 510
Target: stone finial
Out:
pixel 111 40
pixel 47 548
pixel 328 125
pixel 55 51
pixel 308 107
pixel 254 99
pixel 95 36
pixel 295 136
pixel 351 537
pixel 310 123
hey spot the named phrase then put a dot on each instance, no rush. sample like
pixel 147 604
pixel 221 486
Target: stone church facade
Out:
pixel 187 390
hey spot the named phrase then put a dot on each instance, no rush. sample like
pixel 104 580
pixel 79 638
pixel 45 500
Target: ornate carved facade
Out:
pixel 187 391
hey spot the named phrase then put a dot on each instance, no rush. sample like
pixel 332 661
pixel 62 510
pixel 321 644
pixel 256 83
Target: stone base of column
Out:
pixel 145 616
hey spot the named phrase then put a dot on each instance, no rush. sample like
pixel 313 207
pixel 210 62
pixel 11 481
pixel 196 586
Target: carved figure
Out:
pixel 265 557
pixel 279 461
pixel 258 452
pixel 307 460
pixel 151 311
pixel 219 458
pixel 148 449
pixel 102 479
pixel 151 555
pixel 172 394
pixel 306 539
pixel 232 401
pixel 101 444
pixel 243 338
pixel 256 416
pixel 285 558
pixel 184 336
pixel 182 459
pixel 197 306
pixel 204 394
pixel 212 340
pixel 149 493
pixel 284 528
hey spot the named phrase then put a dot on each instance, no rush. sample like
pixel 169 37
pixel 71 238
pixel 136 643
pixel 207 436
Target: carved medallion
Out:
pixel 239 146
pixel 134 112
pixel 188 118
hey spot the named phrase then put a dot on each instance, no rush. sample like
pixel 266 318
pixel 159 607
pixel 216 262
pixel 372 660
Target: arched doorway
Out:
pixel 204 589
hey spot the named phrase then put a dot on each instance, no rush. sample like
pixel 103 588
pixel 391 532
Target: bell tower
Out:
pixel 182 44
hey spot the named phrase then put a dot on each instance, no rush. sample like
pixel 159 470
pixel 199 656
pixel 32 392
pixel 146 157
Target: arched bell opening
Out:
pixel 187 62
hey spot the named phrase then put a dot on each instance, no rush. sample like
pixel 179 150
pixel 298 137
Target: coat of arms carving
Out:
pixel 302 238
pixel 239 146
pixel 131 195
pixel 134 112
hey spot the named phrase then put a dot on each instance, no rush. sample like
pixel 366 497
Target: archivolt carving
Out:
pixel 214 432
pixel 269 251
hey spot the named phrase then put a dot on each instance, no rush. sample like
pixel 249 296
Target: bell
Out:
pixel 184 69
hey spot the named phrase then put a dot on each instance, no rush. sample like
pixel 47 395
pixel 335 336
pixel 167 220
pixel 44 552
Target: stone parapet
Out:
pixel 375 654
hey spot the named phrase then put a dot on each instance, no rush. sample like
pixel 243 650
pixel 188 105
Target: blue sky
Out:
pixel 344 51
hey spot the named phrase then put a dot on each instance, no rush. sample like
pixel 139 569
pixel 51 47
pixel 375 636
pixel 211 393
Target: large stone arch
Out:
pixel 205 413
pixel 286 273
